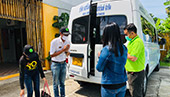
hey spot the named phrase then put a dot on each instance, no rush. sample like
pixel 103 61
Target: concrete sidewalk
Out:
pixel 159 83
pixel 158 86
pixel 11 87
pixel 70 85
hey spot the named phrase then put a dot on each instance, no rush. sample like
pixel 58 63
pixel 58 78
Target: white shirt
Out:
pixel 57 45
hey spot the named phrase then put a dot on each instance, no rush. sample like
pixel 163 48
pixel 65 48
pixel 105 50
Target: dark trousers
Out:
pixel 35 79
pixel 136 83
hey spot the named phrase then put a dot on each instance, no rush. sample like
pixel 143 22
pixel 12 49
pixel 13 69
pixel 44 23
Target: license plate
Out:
pixel 77 61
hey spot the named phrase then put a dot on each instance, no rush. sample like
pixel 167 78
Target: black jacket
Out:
pixel 29 67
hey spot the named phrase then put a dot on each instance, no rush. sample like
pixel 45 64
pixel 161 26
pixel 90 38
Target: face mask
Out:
pixel 127 38
pixel 65 37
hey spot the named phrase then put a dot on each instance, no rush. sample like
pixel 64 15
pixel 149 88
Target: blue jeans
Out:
pixel 35 78
pixel 59 76
pixel 113 93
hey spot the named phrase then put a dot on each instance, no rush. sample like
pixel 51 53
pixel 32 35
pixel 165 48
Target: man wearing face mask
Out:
pixel 135 62
pixel 59 50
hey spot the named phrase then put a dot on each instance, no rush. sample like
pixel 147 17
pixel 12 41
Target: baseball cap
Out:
pixel 65 31
pixel 29 51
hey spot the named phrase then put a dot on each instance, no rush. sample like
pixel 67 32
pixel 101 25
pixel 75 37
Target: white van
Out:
pixel 86 37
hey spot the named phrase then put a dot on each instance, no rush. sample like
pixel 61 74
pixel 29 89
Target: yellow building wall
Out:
pixel 49 32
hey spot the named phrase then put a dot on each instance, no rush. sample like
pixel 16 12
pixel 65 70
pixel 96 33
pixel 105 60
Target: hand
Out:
pixel 99 54
pixel 66 47
pixel 45 80
pixel 132 58
pixel 22 93
pixel 128 55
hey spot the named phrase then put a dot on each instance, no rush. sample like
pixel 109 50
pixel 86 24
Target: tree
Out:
pixel 61 20
pixel 154 18
pixel 163 25
pixel 167 3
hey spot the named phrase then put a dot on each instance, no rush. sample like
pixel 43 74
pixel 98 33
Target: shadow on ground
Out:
pixel 92 90
pixel 89 90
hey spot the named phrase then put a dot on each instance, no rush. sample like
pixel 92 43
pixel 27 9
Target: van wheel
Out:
pixel 145 83
pixel 157 67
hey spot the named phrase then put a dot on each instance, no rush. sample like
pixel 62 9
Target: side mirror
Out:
pixel 162 41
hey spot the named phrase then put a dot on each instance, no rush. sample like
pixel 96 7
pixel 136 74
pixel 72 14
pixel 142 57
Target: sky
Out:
pixel 156 7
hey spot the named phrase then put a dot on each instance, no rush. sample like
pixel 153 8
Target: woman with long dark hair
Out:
pixel 111 63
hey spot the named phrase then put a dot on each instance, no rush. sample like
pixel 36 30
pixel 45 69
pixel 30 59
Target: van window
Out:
pixel 149 32
pixel 80 28
pixel 121 20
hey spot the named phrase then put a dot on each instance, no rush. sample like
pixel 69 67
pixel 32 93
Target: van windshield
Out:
pixel 80 28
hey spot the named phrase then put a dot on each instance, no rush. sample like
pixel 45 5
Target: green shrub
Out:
pixel 167 57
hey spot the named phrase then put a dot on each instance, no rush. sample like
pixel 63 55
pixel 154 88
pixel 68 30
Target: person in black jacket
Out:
pixel 29 68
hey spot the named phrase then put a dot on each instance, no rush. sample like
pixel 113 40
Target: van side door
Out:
pixel 101 22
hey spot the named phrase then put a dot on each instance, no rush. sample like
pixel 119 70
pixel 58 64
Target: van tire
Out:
pixel 145 83
pixel 157 67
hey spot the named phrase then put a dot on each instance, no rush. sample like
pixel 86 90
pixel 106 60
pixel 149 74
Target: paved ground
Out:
pixel 158 86
pixel 159 83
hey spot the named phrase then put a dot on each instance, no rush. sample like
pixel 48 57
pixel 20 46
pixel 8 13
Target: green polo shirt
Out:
pixel 136 48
